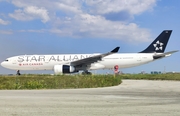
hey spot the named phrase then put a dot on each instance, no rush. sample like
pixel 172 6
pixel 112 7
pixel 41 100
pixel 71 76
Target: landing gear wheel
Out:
pixel 18 72
pixel 86 73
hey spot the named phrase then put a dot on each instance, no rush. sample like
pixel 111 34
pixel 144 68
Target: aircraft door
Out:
pixel 139 58
pixel 14 61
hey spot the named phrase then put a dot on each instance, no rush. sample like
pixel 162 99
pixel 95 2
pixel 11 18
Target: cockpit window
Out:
pixel 7 60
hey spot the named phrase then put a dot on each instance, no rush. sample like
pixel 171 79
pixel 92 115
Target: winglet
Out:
pixel 115 50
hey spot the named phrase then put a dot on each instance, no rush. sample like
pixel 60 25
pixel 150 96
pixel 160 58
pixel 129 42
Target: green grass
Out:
pixel 74 81
pixel 58 81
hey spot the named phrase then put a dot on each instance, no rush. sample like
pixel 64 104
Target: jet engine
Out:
pixel 60 69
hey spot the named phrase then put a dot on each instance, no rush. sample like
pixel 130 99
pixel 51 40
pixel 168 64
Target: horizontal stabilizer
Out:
pixel 164 54
pixel 171 52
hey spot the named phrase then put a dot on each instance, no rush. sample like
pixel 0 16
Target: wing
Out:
pixel 90 60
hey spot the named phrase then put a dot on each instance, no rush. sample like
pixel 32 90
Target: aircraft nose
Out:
pixel 3 63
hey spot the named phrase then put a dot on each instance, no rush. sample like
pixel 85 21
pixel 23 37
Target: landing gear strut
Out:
pixel 18 72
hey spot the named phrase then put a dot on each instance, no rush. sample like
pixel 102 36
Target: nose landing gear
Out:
pixel 18 72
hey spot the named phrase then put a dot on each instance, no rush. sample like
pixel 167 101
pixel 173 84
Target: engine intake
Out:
pixel 60 69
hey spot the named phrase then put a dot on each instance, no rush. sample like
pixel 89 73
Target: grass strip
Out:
pixel 57 81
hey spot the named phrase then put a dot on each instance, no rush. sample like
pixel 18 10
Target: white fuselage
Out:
pixel 47 62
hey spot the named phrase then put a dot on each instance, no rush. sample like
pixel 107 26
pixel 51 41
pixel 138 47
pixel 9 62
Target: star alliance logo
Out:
pixel 158 45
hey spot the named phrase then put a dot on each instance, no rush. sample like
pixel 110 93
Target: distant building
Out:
pixel 155 72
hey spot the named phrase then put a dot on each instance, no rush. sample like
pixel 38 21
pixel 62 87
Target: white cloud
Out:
pixel 111 19
pixel 68 8
pixel 86 25
pixel 2 22
pixel 30 13
pixel 38 12
pixel 6 32
pixel 20 15
pixel 106 6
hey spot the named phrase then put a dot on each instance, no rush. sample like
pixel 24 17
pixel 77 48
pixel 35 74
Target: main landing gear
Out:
pixel 18 72
pixel 86 73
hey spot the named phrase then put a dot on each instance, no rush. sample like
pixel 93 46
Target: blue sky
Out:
pixel 88 26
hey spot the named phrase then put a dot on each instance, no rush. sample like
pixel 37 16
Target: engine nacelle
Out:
pixel 60 69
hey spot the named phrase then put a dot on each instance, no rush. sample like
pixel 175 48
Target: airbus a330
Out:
pixel 72 63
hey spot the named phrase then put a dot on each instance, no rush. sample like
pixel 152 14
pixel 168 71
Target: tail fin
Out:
pixel 159 44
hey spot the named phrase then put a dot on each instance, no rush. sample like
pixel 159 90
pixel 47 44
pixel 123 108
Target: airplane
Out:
pixel 72 63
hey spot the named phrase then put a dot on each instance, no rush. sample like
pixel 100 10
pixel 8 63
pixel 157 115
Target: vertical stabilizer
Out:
pixel 159 44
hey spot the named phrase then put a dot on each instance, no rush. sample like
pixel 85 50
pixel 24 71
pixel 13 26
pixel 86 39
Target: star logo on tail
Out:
pixel 158 46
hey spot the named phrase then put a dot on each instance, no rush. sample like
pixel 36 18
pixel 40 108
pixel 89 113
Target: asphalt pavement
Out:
pixel 131 98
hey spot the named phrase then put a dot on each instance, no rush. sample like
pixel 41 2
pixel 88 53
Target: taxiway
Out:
pixel 131 98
